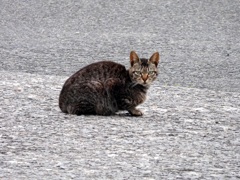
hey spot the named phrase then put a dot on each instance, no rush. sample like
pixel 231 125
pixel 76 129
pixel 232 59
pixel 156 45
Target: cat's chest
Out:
pixel 133 96
pixel 138 97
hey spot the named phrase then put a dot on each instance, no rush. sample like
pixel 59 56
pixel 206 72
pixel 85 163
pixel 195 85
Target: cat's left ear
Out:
pixel 154 58
pixel 133 58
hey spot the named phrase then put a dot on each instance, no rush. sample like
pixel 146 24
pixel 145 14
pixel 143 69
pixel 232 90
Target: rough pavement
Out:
pixel 190 127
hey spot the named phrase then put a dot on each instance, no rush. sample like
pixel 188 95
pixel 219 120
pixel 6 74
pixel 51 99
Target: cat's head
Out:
pixel 143 71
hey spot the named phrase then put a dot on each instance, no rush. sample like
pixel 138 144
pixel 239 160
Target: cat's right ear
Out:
pixel 154 58
pixel 133 58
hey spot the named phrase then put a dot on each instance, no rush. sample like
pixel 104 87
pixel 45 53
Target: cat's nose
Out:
pixel 144 77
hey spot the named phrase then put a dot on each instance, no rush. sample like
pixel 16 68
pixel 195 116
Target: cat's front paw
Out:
pixel 135 112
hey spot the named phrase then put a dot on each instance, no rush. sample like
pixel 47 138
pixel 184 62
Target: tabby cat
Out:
pixel 105 87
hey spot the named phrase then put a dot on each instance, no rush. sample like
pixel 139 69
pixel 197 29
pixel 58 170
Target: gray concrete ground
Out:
pixel 190 127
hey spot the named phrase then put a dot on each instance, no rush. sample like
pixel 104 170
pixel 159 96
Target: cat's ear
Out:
pixel 133 58
pixel 154 58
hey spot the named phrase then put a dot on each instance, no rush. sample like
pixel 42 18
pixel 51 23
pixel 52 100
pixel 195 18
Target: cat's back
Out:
pixel 99 71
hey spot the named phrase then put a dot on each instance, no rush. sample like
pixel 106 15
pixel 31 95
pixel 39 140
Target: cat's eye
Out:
pixel 137 72
pixel 152 72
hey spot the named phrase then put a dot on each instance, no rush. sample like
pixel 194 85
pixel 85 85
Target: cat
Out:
pixel 105 87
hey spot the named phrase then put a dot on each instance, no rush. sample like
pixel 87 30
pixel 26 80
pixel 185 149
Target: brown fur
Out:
pixel 105 87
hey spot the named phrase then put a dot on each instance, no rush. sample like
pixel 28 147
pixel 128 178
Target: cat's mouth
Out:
pixel 145 84
pixel 145 81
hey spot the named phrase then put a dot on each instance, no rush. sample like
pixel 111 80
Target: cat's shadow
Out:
pixel 122 114
pixel 126 114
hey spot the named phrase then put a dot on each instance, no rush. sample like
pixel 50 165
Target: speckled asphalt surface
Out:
pixel 190 127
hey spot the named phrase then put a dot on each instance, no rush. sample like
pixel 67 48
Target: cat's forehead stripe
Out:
pixel 144 62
